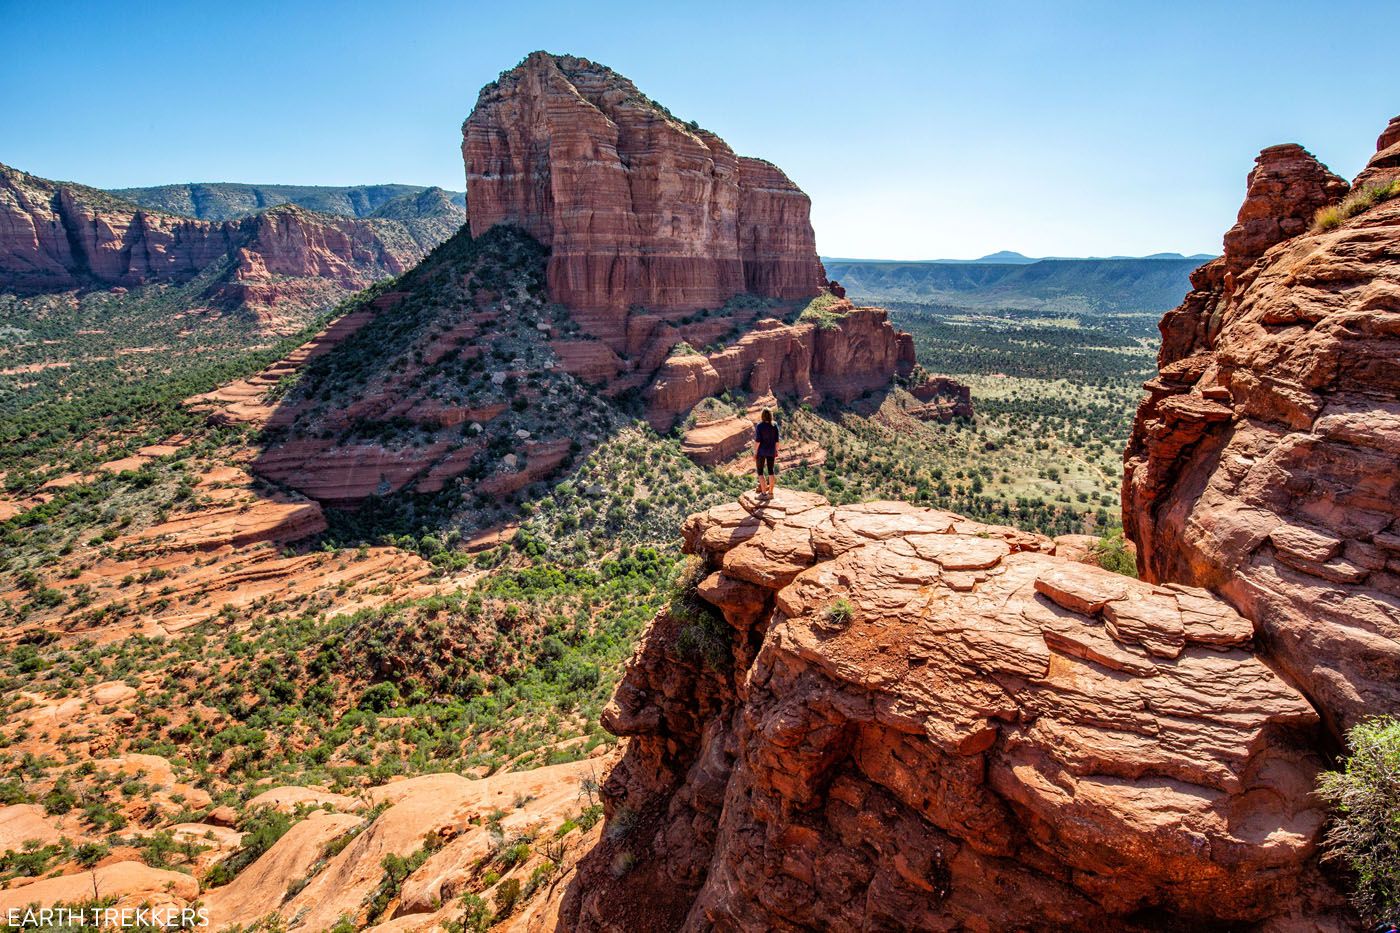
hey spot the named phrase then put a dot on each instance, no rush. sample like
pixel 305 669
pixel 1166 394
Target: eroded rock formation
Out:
pixel 857 352
pixel 907 720
pixel 941 399
pixel 636 207
pixel 60 236
pixel 1263 462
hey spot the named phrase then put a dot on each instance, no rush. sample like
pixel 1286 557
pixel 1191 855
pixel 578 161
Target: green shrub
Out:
pixel 380 697
pixel 1362 199
pixel 840 613
pixel 261 828
pixel 507 896
pixel 1111 553
pixel 1366 834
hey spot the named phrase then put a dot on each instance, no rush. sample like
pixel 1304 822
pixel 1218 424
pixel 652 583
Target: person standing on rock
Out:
pixel 765 452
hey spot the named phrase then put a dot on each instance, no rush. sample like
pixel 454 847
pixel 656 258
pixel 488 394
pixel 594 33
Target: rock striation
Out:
pixel 854 351
pixel 636 207
pixel 885 717
pixel 1262 462
pixel 56 236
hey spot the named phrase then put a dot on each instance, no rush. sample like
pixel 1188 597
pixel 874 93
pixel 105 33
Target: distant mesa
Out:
pixel 1071 286
pixel 1008 257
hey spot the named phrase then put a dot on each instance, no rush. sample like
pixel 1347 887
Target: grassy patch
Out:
pixel 1360 200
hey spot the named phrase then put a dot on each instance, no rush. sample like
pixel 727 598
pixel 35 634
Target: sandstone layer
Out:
pixel 57 236
pixel 907 720
pixel 636 207
pixel 225 552
pixel 856 352
pixel 1263 461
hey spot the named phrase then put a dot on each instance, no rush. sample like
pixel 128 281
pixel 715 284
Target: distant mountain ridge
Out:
pixel 232 200
pixel 1145 284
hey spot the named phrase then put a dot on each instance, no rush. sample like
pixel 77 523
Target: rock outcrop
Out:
pixel 907 720
pixel 1385 164
pixel 941 398
pixel 853 351
pixel 56 236
pixel 1262 464
pixel 636 207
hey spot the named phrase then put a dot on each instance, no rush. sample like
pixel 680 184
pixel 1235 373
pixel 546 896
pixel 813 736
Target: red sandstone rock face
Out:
pixel 1284 190
pixel 1385 164
pixel 56 236
pixel 862 352
pixel 1263 462
pixel 984 733
pixel 713 442
pixel 636 207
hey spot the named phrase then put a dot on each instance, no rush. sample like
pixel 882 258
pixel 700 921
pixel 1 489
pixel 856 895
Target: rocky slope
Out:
pixel 1262 463
pixel 905 720
pixel 636 207
pixel 58 236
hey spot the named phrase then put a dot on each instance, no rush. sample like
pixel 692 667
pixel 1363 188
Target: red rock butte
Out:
pixel 636 207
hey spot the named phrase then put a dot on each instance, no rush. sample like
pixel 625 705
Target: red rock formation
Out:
pixel 1385 164
pixel 713 442
pixel 1284 190
pixel 943 399
pixel 906 720
pixel 857 351
pixel 636 207
pixel 59 236
pixel 1263 461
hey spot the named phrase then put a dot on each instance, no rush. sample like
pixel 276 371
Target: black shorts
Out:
pixel 769 464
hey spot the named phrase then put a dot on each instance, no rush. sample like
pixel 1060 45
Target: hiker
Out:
pixel 765 452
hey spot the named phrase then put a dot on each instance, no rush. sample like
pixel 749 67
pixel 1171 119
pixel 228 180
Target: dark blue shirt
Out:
pixel 766 436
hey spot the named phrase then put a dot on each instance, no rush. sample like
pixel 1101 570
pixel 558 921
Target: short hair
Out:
pixel 767 416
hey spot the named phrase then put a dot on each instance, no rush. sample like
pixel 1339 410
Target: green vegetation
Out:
pixel 1366 833
pixel 822 312
pixel 88 396
pixel 230 200
pixel 262 826
pixel 1358 201
pixel 840 613
pixel 1062 286
pixel 1112 554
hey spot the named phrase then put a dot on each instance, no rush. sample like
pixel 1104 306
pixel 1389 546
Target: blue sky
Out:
pixel 920 130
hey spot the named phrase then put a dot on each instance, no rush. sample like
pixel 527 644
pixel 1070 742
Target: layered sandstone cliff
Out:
pixel 907 720
pixel 856 351
pixel 636 207
pixel 1263 462
pixel 61 236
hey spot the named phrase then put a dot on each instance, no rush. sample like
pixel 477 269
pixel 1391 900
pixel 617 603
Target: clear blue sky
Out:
pixel 920 130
